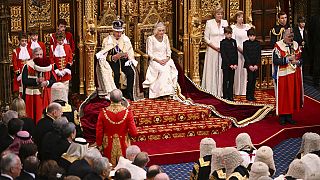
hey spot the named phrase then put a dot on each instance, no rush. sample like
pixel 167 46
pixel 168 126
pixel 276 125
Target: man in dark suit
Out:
pixel 30 167
pixel 57 141
pixel 301 37
pixel 69 112
pixel 10 166
pixel 14 125
pixel 54 111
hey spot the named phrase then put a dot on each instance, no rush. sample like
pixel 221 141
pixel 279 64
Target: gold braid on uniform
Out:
pixel 203 163
pixel 194 176
pixel 115 108
pixel 116 149
pixel 238 176
pixel 221 175
pixel 279 34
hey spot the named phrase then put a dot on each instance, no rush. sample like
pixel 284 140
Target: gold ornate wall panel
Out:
pixel 208 6
pixel 109 14
pixel 14 39
pixel 248 11
pixel 16 18
pixel 90 9
pixel 40 14
pixel 64 12
pixel 46 37
pixel 234 6
pixel 165 9
pixel 300 9
pixel 127 8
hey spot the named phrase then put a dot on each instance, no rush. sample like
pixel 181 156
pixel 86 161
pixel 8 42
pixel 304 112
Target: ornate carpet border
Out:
pixel 259 115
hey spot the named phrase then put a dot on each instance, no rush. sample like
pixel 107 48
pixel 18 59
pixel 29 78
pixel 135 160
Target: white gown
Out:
pixel 161 80
pixel 240 75
pixel 212 72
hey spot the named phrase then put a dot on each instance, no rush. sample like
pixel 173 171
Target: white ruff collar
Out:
pixel 24 54
pixel 39 68
pixel 59 51
pixel 34 44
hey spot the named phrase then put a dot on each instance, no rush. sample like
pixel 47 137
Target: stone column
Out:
pixel 5 76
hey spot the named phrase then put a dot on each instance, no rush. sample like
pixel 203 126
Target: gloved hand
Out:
pixel 57 71
pixel 128 63
pixel 62 72
pixel 67 71
pixel 101 55
pixel 132 61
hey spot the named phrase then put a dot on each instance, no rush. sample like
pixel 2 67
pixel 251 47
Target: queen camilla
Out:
pixel 162 75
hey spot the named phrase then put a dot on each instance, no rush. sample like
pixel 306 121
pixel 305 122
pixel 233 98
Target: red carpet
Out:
pixel 165 119
pixel 265 132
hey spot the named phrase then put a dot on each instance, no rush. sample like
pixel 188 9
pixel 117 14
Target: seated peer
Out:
pixel 162 75
pixel 117 55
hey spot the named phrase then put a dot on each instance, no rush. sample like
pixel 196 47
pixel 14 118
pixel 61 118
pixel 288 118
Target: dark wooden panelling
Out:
pixel 264 17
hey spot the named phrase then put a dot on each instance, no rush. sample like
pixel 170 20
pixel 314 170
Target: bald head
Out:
pixel 53 106
pixel 153 171
pixel 162 176
pixel 116 96
pixel 54 110
pixel 288 32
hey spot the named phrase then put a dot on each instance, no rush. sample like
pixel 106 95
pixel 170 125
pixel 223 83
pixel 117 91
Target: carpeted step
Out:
pixel 183 129
pixel 148 112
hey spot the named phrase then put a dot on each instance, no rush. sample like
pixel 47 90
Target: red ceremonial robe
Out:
pixel 288 77
pixel 62 62
pixel 17 67
pixel 42 45
pixel 36 98
pixel 69 39
pixel 114 124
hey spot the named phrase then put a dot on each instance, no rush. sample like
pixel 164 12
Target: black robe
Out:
pixel 201 168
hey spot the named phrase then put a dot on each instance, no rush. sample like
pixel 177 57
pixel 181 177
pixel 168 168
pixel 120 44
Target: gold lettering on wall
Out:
pixel 16 16
pixel 46 38
pixel 15 41
pixel 64 12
